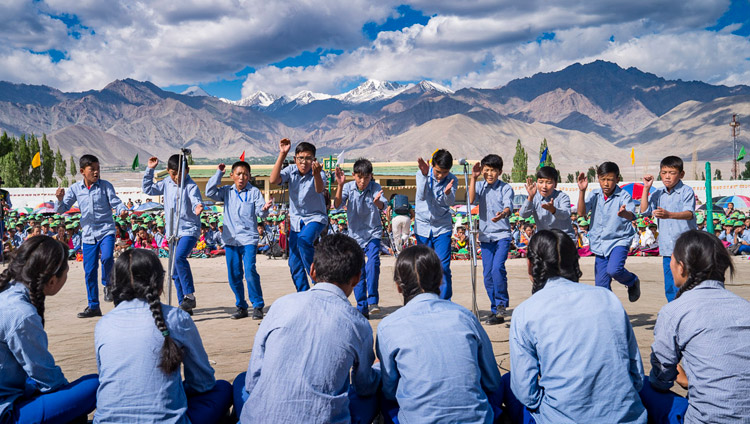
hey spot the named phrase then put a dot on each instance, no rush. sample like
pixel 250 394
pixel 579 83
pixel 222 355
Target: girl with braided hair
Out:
pixel 573 353
pixel 707 328
pixel 140 346
pixel 436 360
pixel 32 387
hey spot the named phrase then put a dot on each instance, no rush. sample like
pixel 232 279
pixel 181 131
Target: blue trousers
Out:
pixel 106 247
pixel 183 276
pixel 514 409
pixel 239 257
pixel 366 291
pixel 389 408
pixel 670 290
pixel 442 246
pixel 663 407
pixel 744 249
pixel 61 406
pixel 301 252
pixel 210 407
pixel 613 266
pixel 494 256
pixel 361 409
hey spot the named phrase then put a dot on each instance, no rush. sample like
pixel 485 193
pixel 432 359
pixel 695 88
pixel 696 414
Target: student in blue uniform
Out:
pixel 433 223
pixel 495 200
pixel 190 221
pixel 310 346
pixel 436 360
pixel 706 328
pixel 674 206
pixel 140 346
pixel 363 199
pixel 307 207
pixel 32 388
pixel 96 198
pixel 573 354
pixel 549 206
pixel 243 203
pixel 611 231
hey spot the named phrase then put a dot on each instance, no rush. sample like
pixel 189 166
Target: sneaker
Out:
pixel 634 291
pixel 374 308
pixel 240 313
pixel 90 313
pixel 107 294
pixel 257 313
pixel 495 319
pixel 501 311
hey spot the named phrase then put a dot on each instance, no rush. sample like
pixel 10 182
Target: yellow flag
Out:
pixel 632 156
pixel 37 161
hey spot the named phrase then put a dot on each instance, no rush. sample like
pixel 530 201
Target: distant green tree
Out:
pixel 548 159
pixel 35 175
pixel 60 169
pixel 717 175
pixel 73 170
pixel 48 164
pixel 520 164
pixel 505 178
pixel 745 175
pixel 591 174
pixel 571 178
pixel 24 161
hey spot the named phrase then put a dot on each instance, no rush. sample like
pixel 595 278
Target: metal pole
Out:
pixel 709 201
pixel 472 245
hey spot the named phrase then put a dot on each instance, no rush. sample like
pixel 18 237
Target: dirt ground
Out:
pixel 229 342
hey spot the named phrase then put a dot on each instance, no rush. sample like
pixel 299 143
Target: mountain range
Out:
pixel 588 113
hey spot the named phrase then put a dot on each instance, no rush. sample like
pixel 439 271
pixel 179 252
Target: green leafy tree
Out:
pixel 591 174
pixel 520 164
pixel 73 170
pixel 571 178
pixel 24 161
pixel 60 169
pixel 548 159
pixel 505 178
pixel 6 144
pixel 745 175
pixel 717 175
pixel 9 169
pixel 35 175
pixel 48 164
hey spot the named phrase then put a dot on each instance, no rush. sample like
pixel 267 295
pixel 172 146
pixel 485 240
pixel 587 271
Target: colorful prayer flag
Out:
pixel 742 153
pixel 36 162
pixel 135 162
pixel 632 156
pixel 242 156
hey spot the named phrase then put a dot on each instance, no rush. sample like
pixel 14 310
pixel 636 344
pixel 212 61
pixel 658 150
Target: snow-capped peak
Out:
pixel 258 99
pixel 433 86
pixel 371 90
pixel 306 96
pixel 195 91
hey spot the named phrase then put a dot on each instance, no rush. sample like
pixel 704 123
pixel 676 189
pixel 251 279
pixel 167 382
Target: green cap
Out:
pixel 70 227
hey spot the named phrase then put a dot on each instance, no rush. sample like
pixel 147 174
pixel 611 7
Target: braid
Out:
pixel 36 294
pixel 694 278
pixel 5 277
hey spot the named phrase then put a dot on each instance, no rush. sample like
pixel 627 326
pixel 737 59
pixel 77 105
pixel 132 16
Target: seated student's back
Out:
pixel 436 359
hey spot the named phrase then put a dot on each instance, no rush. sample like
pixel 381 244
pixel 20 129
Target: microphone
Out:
pixel 185 151
pixel 463 161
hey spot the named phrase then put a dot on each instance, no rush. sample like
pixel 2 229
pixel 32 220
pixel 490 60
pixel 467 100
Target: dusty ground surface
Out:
pixel 229 342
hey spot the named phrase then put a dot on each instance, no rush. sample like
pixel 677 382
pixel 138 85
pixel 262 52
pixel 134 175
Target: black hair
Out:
pixel 493 161
pixel 338 258
pixel 138 274
pixel 608 168
pixel 418 270
pixel 442 159
pixel 174 163
pixel 87 160
pixel 33 264
pixel 362 167
pixel 672 162
pixel 547 172
pixel 704 257
pixel 241 164
pixel 552 253
pixel 304 147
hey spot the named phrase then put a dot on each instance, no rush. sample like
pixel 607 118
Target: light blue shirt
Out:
pixel 96 206
pixel 607 229
pixel 17 240
pixel 128 348
pixel 574 357
pixel 190 223
pixel 305 204
pixel 433 207
pixel 437 362
pixel 543 218
pixel 680 199
pixel 302 356
pixel 159 239
pixel 708 328
pixel 76 238
pixel 23 349
pixel 492 199
pixel 362 213
pixel 241 209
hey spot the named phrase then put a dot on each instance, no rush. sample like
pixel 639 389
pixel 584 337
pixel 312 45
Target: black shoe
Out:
pixel 257 313
pixel 240 313
pixel 494 320
pixel 190 303
pixel 90 313
pixel 107 294
pixel 634 291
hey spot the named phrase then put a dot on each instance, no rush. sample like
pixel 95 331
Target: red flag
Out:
pixel 242 157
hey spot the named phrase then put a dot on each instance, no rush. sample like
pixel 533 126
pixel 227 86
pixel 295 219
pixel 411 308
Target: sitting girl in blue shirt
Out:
pixel 436 360
pixel 139 348
pixel 32 387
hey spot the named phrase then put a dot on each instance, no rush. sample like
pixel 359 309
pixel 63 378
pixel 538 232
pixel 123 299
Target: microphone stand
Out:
pixel 175 225
pixel 472 245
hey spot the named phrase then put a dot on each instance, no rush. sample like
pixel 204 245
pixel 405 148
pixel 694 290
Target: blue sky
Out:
pixel 231 49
